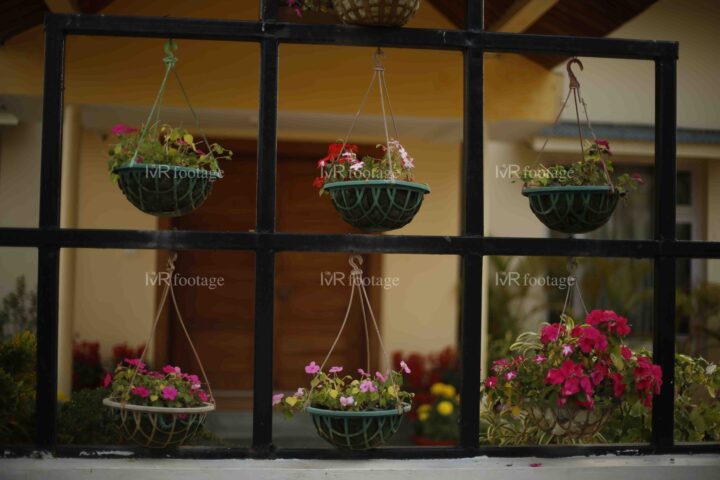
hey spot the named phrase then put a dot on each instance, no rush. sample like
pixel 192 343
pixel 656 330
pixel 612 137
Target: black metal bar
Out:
pixel 49 256
pixel 474 14
pixel 268 10
pixel 309 242
pixel 664 298
pixel 106 25
pixel 265 258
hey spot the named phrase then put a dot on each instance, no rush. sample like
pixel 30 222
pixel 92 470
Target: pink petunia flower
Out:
pixel 202 396
pixel 490 382
pixel 135 362
pixel 510 375
pixel 140 392
pixel 380 377
pixel 300 392
pixel 404 367
pixel 122 129
pixel 363 372
pixel 367 386
pixel 347 401
pixel 552 332
pixel 170 369
pixel 312 368
pixel 169 393
pixel 107 380
pixel 625 352
pixel 277 398
pixel 336 369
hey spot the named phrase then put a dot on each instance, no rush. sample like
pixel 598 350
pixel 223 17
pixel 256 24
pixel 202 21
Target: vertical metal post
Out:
pixel 473 224
pixel 664 299
pixel 49 257
pixel 265 223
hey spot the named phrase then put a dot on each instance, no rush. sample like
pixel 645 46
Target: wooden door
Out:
pixel 307 314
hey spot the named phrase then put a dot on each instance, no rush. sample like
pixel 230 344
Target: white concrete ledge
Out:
pixel 655 467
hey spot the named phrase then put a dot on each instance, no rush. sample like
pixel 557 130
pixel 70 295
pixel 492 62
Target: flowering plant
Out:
pixel 589 171
pixel 579 366
pixel 438 419
pixel 163 145
pixel 314 5
pixel 334 391
pixel 169 388
pixel 342 163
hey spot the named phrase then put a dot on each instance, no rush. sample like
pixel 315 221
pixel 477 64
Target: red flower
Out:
pixel 610 321
pixel 551 333
pixel 500 365
pixel 600 371
pixel 590 337
pixel 625 352
pixel 618 385
pixel 637 178
pixel 319 182
pixel 490 382
pixel 648 378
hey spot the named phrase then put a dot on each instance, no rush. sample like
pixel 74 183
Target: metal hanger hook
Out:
pixel 377 57
pixel 574 83
pixel 355 266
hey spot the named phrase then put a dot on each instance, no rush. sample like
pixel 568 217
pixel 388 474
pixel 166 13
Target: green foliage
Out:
pixel 164 145
pixel 84 420
pixel 589 171
pixel 18 311
pixel 439 420
pixel 17 388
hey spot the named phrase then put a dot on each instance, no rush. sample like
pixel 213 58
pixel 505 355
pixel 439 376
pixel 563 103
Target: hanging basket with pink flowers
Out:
pixel 159 409
pixel 352 412
pixel 566 380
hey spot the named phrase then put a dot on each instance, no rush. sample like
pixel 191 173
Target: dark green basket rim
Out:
pixel 324 412
pixel 527 191
pixel 388 183
pixel 176 168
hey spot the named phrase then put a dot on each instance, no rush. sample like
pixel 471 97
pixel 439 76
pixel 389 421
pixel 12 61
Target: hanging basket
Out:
pixel 357 430
pixel 571 422
pixel 165 190
pixel 377 13
pixel 159 427
pixel 573 209
pixel 377 205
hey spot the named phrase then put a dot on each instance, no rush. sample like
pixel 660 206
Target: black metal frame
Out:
pixel 472 246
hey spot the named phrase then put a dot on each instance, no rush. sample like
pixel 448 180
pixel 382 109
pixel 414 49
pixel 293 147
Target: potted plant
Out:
pixel 157 409
pixel 162 170
pixel 351 413
pixel 376 13
pixel 580 197
pixel 374 194
pixel 566 380
pixel 437 421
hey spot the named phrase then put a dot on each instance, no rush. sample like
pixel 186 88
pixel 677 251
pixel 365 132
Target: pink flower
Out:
pixel 277 398
pixel 363 372
pixel 367 386
pixel 202 396
pixel 618 385
pixel 312 368
pixel 600 371
pixel 554 377
pixel 141 392
pixel 404 367
pixel 539 358
pixel 570 387
pixel 490 382
pixel 169 393
pixel 567 350
pixel 107 380
pixel 609 320
pixel 135 362
pixel 500 365
pixel 510 375
pixel 552 332
pixel 380 377
pixel 336 369
pixel 636 176
pixel 625 352
pixel 170 369
pixel 347 401
pixel 122 129
pixel 300 392
pixel 648 379
pixel 590 337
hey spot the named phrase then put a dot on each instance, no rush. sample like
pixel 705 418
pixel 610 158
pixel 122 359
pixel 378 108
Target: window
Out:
pixel 472 246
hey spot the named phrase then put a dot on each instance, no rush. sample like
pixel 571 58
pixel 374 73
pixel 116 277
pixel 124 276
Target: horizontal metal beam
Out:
pixel 310 242
pixel 255 31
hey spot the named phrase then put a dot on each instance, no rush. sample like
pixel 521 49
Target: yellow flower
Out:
pixel 449 391
pixel 515 411
pixel 333 393
pixel 437 389
pixel 291 401
pixel 422 416
pixel 424 408
pixel 355 391
pixel 153 398
pixel 392 390
pixel 445 408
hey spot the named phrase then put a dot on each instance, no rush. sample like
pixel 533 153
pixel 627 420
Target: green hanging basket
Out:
pixel 357 430
pixel 573 209
pixel 377 205
pixel 165 190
